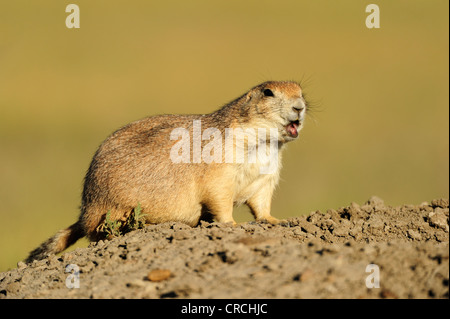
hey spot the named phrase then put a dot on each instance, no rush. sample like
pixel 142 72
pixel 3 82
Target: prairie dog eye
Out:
pixel 268 92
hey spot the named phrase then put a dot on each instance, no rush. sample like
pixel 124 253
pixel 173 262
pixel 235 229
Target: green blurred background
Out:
pixel 381 128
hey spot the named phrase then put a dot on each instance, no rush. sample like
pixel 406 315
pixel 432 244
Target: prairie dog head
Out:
pixel 280 105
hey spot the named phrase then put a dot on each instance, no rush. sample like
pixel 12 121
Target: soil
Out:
pixel 333 255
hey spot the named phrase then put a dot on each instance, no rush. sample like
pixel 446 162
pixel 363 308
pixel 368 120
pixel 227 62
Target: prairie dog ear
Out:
pixel 250 95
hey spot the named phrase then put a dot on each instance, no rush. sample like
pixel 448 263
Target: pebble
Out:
pixel 158 274
pixel 13 287
pixel 414 234
pixel 443 203
pixel 375 201
pixel 21 265
pixel 438 219
pixel 306 275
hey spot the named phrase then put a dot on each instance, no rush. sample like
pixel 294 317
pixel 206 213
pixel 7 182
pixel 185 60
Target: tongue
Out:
pixel 292 129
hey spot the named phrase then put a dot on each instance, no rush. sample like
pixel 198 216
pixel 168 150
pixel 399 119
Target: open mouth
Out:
pixel 292 128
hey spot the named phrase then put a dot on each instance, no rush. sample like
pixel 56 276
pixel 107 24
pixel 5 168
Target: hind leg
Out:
pixel 218 197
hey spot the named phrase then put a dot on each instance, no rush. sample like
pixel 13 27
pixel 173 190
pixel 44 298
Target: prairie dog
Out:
pixel 189 167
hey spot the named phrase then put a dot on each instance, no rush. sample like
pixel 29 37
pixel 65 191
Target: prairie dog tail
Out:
pixel 56 244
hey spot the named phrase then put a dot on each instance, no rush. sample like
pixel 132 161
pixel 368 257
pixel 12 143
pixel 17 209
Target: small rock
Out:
pixel 334 215
pixel 158 274
pixel 355 208
pixel 340 231
pixel 21 265
pixel 53 262
pixel 375 226
pixel 67 257
pixel 414 234
pixel 304 276
pixel 329 224
pixel 356 235
pixel 13 287
pixel 438 219
pixel 375 201
pixel 100 243
pixel 27 278
pixel 294 221
pixel 314 217
pixel 181 234
pixel 309 228
pixel 443 203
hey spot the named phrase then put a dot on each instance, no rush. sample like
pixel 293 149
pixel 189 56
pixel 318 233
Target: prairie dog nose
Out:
pixel 298 108
pixel 299 105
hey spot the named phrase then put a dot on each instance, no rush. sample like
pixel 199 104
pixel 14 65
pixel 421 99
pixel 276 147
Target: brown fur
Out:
pixel 133 166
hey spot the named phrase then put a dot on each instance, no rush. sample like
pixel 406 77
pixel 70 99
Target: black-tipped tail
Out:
pixel 56 244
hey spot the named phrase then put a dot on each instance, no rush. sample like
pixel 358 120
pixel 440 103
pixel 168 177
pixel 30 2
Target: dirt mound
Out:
pixel 343 253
